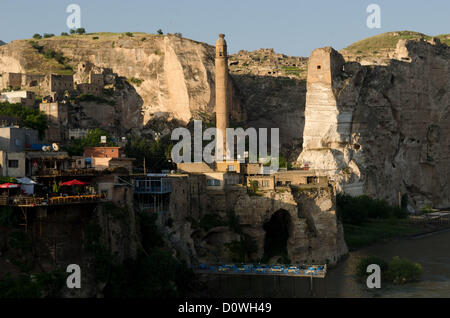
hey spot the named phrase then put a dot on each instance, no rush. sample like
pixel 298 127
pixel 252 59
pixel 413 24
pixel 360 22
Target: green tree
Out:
pixel 92 139
pixel 80 31
pixel 72 31
pixel 31 118
pixel 156 153
pixel 37 36
pixel 64 33
pixel 160 32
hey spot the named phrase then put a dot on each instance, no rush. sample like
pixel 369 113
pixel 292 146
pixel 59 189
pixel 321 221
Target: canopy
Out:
pixel 8 185
pixel 74 182
pixel 27 185
pixel 26 180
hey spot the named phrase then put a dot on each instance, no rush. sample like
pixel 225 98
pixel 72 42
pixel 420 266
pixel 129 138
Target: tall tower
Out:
pixel 221 92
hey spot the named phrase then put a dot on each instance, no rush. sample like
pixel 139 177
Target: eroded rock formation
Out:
pixel 313 232
pixel 382 130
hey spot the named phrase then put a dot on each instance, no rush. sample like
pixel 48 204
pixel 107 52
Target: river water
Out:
pixel 431 251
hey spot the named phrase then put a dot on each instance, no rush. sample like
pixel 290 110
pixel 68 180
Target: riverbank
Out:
pixel 385 230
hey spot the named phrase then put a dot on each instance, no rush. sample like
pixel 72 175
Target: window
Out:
pixel 231 168
pixel 318 67
pixel 265 184
pixel 213 182
pixel 13 163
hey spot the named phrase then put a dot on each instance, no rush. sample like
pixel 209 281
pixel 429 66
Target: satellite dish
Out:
pixel 55 147
pixel 44 148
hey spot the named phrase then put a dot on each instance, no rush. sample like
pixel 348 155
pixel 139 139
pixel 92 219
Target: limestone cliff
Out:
pixel 173 76
pixel 382 129
pixel 234 226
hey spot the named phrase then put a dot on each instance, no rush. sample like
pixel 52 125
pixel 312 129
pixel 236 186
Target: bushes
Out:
pixel 156 153
pixel 92 139
pixel 397 271
pixel 401 270
pixel 357 210
pixel 366 261
pixel 31 118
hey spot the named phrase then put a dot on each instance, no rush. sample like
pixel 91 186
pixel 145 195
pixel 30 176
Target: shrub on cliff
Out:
pixel 80 31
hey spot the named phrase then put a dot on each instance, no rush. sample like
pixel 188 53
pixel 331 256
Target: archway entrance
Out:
pixel 277 234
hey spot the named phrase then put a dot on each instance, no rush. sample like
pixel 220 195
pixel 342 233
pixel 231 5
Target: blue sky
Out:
pixel 293 27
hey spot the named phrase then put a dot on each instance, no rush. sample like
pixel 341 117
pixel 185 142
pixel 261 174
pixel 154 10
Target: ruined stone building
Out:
pixel 382 130
pixel 58 118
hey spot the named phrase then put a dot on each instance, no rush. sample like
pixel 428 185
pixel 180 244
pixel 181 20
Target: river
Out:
pixel 431 251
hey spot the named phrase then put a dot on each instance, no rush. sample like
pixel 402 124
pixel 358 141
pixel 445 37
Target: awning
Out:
pixel 26 180
pixel 9 185
pixel 74 182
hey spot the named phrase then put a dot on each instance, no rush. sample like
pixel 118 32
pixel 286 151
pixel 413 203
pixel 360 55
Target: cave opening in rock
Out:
pixel 277 234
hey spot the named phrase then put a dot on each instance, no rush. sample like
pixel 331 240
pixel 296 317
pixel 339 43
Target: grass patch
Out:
pixel 135 81
pixel 93 98
pixel 374 231
pixel 388 41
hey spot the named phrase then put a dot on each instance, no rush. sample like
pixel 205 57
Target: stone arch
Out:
pixel 278 229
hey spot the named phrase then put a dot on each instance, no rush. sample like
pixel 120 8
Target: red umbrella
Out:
pixel 9 185
pixel 74 182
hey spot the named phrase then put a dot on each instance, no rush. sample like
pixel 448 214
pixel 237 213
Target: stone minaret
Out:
pixel 221 91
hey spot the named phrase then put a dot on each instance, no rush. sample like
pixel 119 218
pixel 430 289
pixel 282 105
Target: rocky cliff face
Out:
pixel 234 226
pixel 382 130
pixel 173 76
pixel 273 88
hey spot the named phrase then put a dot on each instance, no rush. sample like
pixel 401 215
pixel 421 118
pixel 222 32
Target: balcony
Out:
pixel 23 201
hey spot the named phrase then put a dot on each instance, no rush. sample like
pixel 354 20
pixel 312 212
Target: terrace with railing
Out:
pixel 56 200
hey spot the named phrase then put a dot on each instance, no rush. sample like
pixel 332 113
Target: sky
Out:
pixel 293 27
